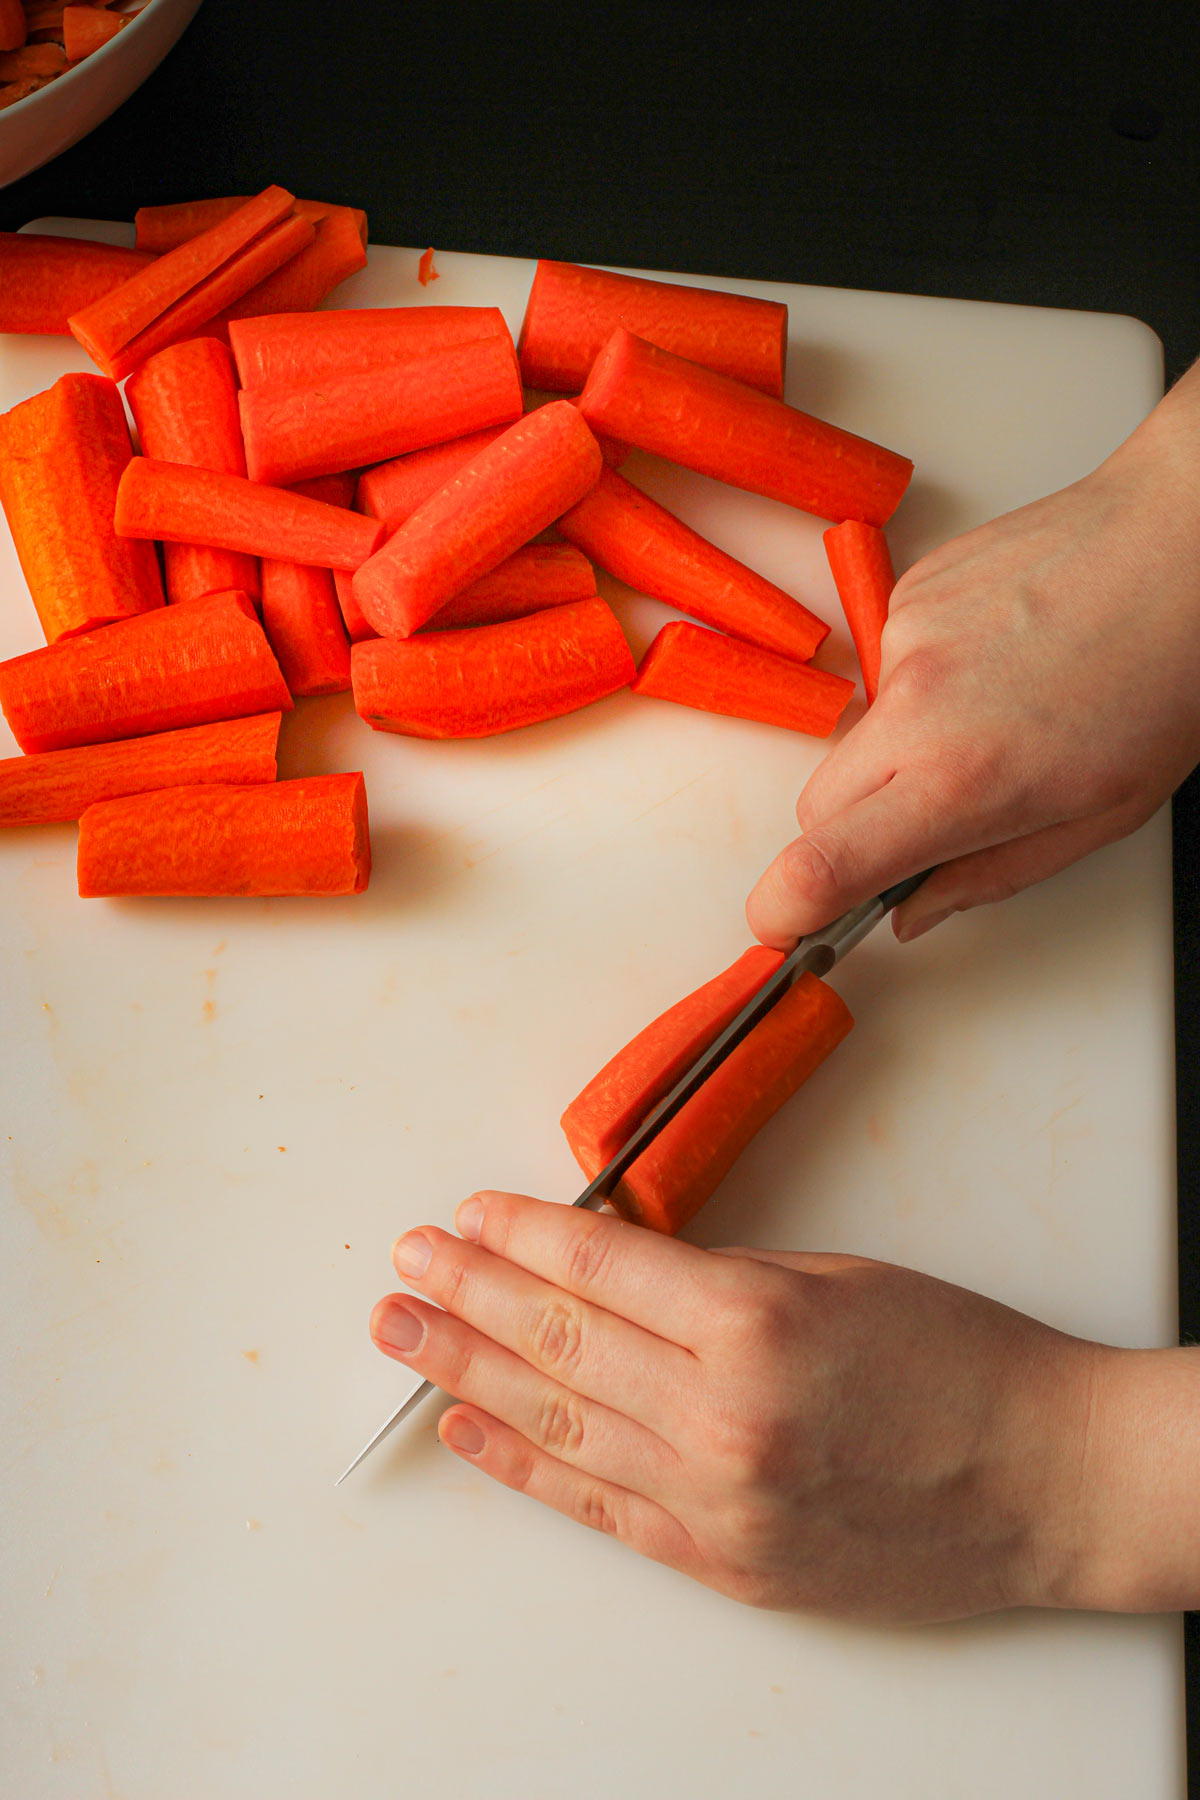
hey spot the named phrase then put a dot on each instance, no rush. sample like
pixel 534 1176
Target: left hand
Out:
pixel 793 1430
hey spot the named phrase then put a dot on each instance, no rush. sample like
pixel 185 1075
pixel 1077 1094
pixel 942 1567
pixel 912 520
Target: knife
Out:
pixel 815 954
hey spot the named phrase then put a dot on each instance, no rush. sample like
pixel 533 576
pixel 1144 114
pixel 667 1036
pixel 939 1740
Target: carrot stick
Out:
pixel 607 1112
pixel 357 629
pixel 179 665
pixel 54 785
pixel 392 491
pixel 300 611
pixel 308 347
pixel 506 495
pixel 114 323
pixel 704 669
pixel 455 684
pixel 288 837
pixel 296 429
pixel 12 24
pixel 199 506
pixel 162 228
pixel 718 427
pixel 644 545
pixel 572 312
pixel 184 404
pixel 62 454
pixel 672 1179
pixel 43 278
pixel 38 60
pixel 337 251
pixel 862 571
pixel 530 580
pixel 88 28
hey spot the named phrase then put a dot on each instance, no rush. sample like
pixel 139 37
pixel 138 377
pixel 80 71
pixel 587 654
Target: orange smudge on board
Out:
pixel 425 269
pixel 251 1356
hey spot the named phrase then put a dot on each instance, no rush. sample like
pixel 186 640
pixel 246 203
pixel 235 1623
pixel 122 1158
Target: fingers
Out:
pixel 585 1348
pixel 578 1431
pixel 655 1281
pixel 606 1506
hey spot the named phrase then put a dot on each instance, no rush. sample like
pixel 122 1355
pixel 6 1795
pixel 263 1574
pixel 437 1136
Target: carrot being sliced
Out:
pixel 573 311
pixel 530 580
pixel 62 454
pixel 644 545
pixel 179 665
pixel 43 279
pixel 672 1179
pixel 300 611
pixel 509 492
pixel 160 228
pixel 862 571
pixel 199 506
pixel 606 1113
pixel 184 404
pixel 704 421
pixel 714 673
pixel 308 347
pixel 54 785
pixel 452 684
pixel 293 430
pixel 88 28
pixel 308 836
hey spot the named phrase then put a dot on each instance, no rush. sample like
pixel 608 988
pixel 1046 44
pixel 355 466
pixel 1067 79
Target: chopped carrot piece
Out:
pixel 862 571
pixel 88 28
pixel 714 673
pixel 44 279
pixel 12 25
pixel 425 269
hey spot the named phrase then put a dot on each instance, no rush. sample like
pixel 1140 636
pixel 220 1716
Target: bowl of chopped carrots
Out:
pixel 65 67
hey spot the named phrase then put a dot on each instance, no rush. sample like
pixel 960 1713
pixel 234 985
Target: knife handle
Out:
pixel 894 895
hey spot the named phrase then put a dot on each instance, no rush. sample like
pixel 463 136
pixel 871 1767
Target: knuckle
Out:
pixel 593 1507
pixel 809 868
pixel 916 676
pixel 560 1425
pixel 556 1337
pixel 451 1272
pixel 588 1255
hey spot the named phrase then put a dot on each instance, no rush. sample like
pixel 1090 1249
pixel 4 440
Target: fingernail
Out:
pixel 468 1220
pixel 411 1254
pixel 915 928
pixel 398 1327
pixel 463 1434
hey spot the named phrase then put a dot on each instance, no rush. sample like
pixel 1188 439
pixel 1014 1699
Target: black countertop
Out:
pixel 982 149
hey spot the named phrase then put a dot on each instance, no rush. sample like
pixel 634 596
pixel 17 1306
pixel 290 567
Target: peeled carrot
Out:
pixel 55 785
pixel 611 449
pixel 300 611
pixel 506 495
pixel 288 837
pixel 88 28
pixel 62 454
pixel 572 313
pixel 672 1179
pixel 862 571
pixel 454 684
pixel 180 665
pixel 337 251
pixel 700 668
pixel 41 61
pixel 735 434
pixel 644 545
pixel 392 491
pixel 173 296
pixel 160 228
pixel 308 347
pixel 357 628
pixel 530 580
pixel 44 278
pixel 184 404
pixel 293 430
pixel 199 506
pixel 615 1102
pixel 425 269
pixel 12 24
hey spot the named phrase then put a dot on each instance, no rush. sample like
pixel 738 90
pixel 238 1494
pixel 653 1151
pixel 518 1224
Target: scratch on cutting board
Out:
pixel 673 795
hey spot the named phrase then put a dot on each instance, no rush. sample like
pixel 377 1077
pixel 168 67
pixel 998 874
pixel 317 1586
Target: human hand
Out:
pixel 802 1431
pixel 1039 697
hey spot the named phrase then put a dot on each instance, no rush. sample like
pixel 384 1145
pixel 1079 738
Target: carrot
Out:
pixel 43 278
pixel 607 1112
pixel 530 580
pixel 611 449
pixel 180 665
pixel 357 629
pixel 337 251
pixel 185 288
pixel 55 785
pixel 296 429
pixel 308 347
pixel 506 495
pixel 184 404
pixel 572 312
pixel 425 269
pixel 12 24
pixel 160 228
pixel 199 506
pixel 721 428
pixel 700 668
pixel 862 571
pixel 88 28
pixel 392 491
pixel 678 1172
pixel 289 837
pixel 62 454
pixel 454 684
pixel 644 545
pixel 301 615
pixel 41 61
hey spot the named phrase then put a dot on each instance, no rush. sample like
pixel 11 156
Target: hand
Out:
pixel 795 1431
pixel 1039 697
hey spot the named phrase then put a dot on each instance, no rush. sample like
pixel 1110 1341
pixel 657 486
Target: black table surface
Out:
pixel 983 149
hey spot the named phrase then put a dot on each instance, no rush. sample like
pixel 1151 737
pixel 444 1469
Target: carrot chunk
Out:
pixel 12 24
pixel 309 347
pixel 862 571
pixel 160 228
pixel 530 580
pixel 704 669
pixel 338 249
pixel 300 611
pixel 43 279
pixel 393 490
pixel 88 28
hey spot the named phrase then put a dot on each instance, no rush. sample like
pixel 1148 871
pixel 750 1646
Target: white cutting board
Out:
pixel 218 1115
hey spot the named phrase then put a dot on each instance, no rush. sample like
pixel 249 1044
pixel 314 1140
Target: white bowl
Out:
pixel 58 115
